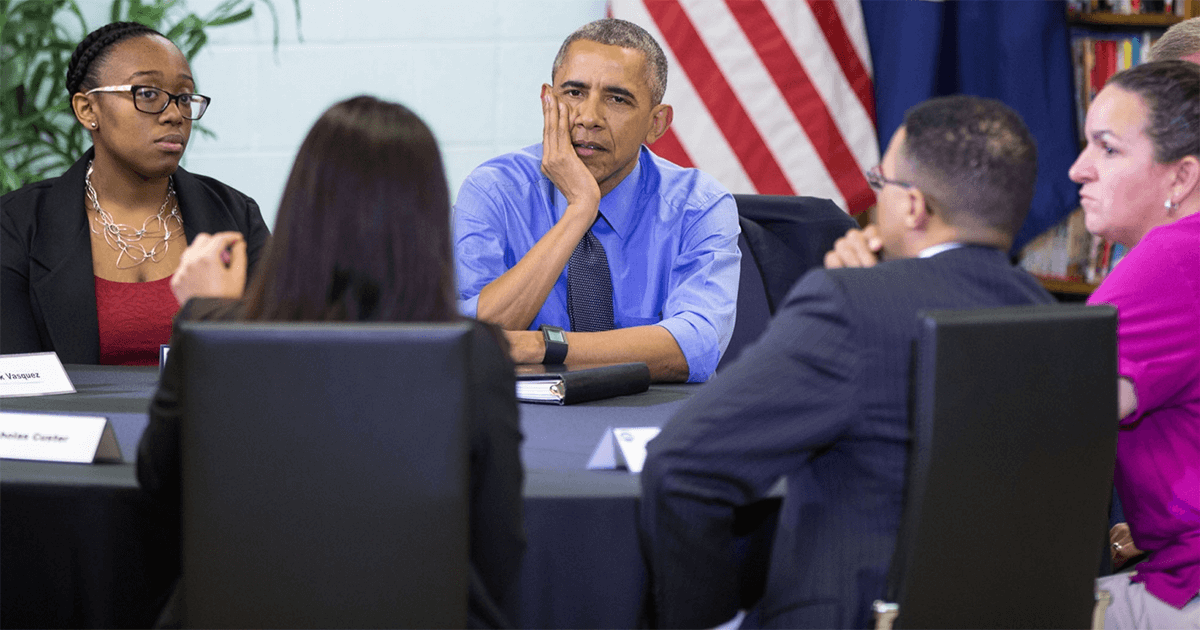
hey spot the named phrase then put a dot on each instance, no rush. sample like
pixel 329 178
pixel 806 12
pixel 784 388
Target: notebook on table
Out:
pixel 562 385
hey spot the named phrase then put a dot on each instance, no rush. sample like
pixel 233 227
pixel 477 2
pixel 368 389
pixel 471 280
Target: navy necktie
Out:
pixel 589 287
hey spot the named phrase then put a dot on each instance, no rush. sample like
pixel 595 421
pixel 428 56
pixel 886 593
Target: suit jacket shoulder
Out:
pixel 965 277
pixel 209 206
pixel 48 287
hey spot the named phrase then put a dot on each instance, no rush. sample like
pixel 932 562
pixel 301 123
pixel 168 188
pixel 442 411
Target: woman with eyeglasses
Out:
pixel 88 256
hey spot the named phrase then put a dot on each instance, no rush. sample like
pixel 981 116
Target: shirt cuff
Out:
pixel 1133 371
pixel 701 358
pixel 733 624
pixel 469 307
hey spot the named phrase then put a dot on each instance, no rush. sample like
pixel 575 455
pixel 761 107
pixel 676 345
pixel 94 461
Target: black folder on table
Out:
pixel 562 385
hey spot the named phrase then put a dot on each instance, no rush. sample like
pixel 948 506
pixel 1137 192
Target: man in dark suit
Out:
pixel 822 397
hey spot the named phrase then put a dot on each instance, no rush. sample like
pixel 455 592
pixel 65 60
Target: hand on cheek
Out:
pixel 559 161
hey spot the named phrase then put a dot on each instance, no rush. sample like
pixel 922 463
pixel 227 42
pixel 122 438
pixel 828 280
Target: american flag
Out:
pixel 770 96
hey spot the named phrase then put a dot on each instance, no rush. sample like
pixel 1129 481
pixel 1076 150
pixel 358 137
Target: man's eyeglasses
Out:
pixel 152 100
pixel 876 180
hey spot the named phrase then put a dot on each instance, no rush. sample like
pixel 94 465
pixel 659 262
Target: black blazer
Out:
pixel 47 285
pixel 497 524
pixel 822 400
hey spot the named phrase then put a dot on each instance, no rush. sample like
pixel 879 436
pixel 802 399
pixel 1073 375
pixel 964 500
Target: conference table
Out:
pixel 83 547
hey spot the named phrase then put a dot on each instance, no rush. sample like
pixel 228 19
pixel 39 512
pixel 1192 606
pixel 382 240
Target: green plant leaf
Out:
pixel 38 80
pixel 275 27
pixel 182 28
pixel 78 13
pixel 232 19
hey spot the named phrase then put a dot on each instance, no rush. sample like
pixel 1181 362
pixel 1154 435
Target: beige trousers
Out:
pixel 1132 607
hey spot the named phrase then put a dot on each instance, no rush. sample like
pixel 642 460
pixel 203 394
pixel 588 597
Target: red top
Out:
pixel 135 318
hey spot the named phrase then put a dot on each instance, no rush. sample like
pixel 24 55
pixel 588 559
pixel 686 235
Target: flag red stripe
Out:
pixel 800 94
pixel 838 39
pixel 712 88
pixel 669 148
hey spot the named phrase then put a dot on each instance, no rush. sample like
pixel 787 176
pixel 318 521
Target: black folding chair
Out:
pixel 782 237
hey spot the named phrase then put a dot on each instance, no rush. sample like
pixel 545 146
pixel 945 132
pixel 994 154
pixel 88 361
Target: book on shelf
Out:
pixel 1126 7
pixel 1097 57
pixel 1102 260
pixel 1069 253
pixel 1062 252
pixel 563 385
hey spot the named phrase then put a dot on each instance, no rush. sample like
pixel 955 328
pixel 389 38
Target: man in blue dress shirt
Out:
pixel 669 234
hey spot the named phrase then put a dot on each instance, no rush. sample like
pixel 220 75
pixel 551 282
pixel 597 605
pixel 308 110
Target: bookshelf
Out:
pixel 1106 36
pixel 1130 13
pixel 1133 20
pixel 1068 290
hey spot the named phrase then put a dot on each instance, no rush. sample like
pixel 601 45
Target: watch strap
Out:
pixel 556 344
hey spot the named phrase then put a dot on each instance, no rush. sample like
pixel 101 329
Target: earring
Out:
pixel 93 125
pixel 1170 206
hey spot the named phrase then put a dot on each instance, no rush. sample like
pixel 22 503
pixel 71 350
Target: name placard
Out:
pixel 33 374
pixel 47 438
pixel 622 447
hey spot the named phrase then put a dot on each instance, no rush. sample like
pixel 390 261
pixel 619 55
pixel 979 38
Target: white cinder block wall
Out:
pixel 471 69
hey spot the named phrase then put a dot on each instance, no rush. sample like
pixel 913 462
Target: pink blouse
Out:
pixel 135 318
pixel 1156 289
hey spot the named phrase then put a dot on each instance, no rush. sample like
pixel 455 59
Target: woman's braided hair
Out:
pixel 95 48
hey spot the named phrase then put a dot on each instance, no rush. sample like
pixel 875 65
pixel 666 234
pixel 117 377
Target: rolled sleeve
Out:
pixel 701 305
pixel 1157 342
pixel 1158 327
pixel 478 245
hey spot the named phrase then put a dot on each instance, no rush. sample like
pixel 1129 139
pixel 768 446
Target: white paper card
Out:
pixel 33 374
pixel 47 438
pixel 622 447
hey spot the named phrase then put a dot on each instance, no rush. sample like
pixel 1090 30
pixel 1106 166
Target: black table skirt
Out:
pixel 90 556
pixel 82 547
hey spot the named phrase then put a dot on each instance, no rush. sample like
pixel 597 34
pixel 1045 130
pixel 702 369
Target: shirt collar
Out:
pixel 622 206
pixel 934 250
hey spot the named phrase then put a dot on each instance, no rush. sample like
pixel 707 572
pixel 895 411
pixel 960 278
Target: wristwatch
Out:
pixel 556 344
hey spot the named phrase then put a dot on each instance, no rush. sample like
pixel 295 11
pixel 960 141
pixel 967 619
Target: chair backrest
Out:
pixel 753 309
pixel 324 475
pixel 782 237
pixel 1010 471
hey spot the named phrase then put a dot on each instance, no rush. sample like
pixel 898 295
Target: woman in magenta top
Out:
pixel 1140 173
pixel 88 256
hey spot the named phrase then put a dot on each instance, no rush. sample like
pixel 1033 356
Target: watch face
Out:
pixel 556 336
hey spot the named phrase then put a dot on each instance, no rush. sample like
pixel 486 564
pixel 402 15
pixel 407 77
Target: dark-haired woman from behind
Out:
pixel 363 234
pixel 88 256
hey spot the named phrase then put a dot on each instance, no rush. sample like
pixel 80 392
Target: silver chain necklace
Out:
pixel 125 239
